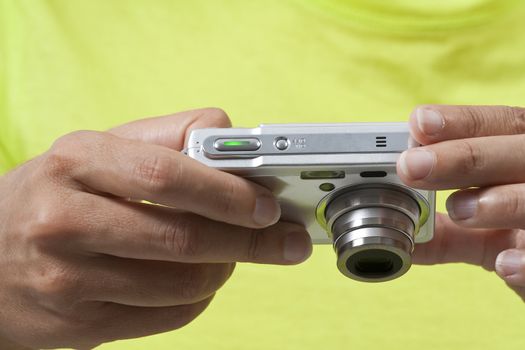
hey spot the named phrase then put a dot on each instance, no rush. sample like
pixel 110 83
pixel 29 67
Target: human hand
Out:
pixel 479 150
pixel 83 261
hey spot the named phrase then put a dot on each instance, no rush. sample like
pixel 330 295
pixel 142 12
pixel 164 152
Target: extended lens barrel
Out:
pixel 373 228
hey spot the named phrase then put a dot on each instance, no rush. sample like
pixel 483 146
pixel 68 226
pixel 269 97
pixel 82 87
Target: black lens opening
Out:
pixel 374 263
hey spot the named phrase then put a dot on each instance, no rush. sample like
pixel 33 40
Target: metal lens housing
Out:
pixel 372 227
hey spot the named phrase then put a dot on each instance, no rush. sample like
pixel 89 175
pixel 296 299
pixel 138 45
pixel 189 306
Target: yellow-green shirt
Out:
pixel 69 64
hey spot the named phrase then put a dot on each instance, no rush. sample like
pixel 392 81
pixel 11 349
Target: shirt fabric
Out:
pixel 69 65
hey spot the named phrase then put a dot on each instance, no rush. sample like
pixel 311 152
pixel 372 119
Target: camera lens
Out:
pixel 374 263
pixel 373 254
pixel 373 228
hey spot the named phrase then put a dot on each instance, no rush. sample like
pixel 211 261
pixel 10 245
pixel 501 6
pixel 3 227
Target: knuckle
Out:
pixel 217 117
pixel 181 237
pixel 56 281
pixel 512 205
pixel 474 119
pixel 472 159
pixel 517 118
pixel 50 222
pixel 253 252
pixel 156 173
pixel 71 139
pixel 71 142
pixel 480 120
pixel 225 200
pixel 65 153
pixel 59 163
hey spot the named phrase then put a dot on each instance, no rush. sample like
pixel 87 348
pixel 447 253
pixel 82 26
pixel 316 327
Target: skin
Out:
pixel 85 261
pixel 479 150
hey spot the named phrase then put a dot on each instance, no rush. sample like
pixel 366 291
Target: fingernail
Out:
pixel 297 247
pixel 267 211
pixel 510 262
pixel 462 205
pixel 429 121
pixel 417 163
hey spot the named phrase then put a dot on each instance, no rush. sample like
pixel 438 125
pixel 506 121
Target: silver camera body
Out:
pixel 339 181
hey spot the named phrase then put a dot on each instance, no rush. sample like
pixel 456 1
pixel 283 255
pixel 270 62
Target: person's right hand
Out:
pixel 82 264
pixel 480 151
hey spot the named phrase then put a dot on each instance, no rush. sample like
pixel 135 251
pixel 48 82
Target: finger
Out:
pixel 453 243
pixel 435 123
pixel 494 207
pixel 150 283
pixel 510 265
pixel 105 163
pixel 114 321
pixel 142 231
pixel 172 131
pixel 475 162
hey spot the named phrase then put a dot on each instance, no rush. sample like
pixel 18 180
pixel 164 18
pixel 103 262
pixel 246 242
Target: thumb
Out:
pixel 453 243
pixel 172 130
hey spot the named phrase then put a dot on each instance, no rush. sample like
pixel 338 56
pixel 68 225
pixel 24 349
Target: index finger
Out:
pixel 435 123
pixel 132 169
pixel 172 130
pixel 149 232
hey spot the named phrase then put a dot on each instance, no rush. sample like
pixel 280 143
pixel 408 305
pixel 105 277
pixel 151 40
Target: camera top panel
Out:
pixel 302 139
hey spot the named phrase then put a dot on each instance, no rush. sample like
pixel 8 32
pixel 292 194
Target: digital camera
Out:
pixel 339 181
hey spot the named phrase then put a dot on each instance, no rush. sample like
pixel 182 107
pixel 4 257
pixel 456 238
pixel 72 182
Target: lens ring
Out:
pixel 324 204
pixel 377 245
pixel 372 198
pixel 402 265
pixel 372 217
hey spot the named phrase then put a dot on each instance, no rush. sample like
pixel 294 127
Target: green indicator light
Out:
pixel 236 143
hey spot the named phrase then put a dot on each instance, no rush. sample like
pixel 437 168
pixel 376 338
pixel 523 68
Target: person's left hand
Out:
pixel 481 151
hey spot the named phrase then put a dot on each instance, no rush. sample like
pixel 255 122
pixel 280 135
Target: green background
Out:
pixel 68 65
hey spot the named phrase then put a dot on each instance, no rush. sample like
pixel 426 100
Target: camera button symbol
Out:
pixel 281 143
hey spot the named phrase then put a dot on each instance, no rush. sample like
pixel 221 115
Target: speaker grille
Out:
pixel 380 141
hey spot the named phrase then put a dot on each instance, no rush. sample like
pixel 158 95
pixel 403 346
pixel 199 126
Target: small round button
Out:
pixel 281 143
